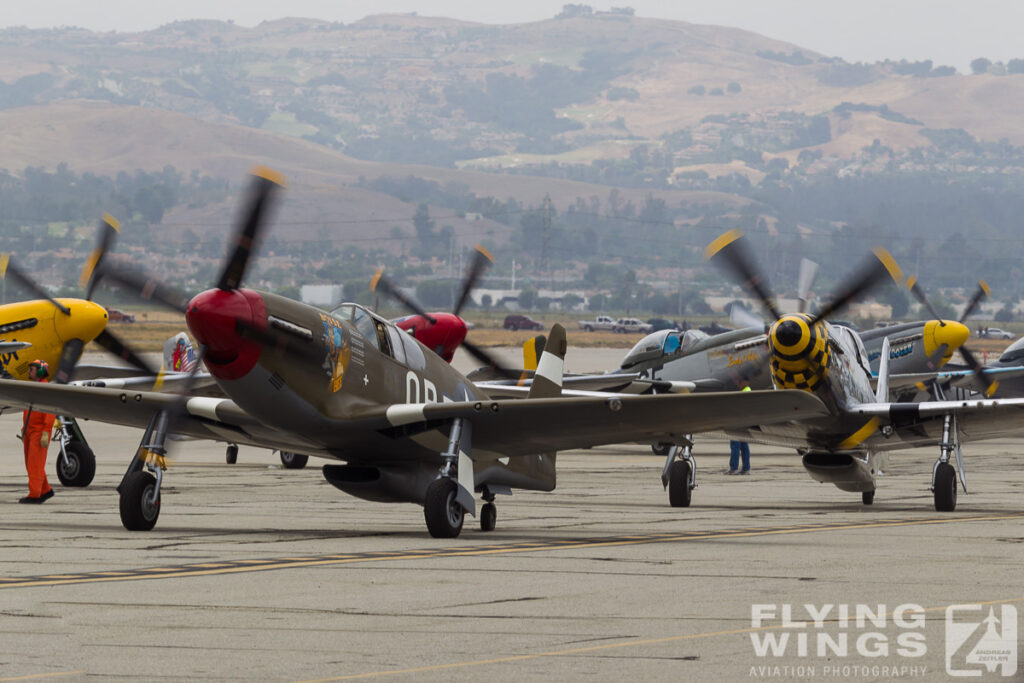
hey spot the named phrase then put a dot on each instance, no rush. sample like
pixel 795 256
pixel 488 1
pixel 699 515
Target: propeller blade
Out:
pixel 69 356
pixel 147 288
pixel 731 253
pixel 981 293
pixel 915 288
pixel 388 288
pixel 111 343
pixel 489 360
pixel 482 260
pixel 808 272
pixel 265 181
pixel 7 267
pixel 107 233
pixel 869 275
pixel 990 383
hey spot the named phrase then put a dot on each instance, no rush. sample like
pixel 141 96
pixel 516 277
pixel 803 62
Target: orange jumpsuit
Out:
pixel 35 425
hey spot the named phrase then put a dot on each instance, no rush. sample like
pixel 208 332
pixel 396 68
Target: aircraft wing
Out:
pixel 526 427
pixel 920 424
pixel 588 385
pixel 204 418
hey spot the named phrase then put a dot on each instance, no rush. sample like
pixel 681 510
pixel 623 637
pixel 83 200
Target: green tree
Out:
pixel 527 299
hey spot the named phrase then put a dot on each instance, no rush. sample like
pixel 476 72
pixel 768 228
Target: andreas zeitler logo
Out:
pixel 873 641
pixel 981 639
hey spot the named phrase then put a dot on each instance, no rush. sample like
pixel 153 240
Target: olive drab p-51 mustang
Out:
pixel 849 446
pixel 350 386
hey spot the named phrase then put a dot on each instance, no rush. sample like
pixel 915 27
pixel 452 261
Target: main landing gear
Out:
pixel 944 475
pixel 76 463
pixel 679 475
pixel 293 461
pixel 449 497
pixel 140 489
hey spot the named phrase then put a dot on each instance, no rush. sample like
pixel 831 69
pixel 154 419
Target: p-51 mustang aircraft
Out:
pixel 350 386
pixel 848 447
pixel 56 331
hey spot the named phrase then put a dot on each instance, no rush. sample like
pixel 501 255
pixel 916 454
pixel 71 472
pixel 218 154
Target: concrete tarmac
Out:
pixel 259 573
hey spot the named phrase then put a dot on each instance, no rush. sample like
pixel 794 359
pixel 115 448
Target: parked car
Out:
pixel 116 315
pixel 625 325
pixel 601 322
pixel 994 333
pixel 521 322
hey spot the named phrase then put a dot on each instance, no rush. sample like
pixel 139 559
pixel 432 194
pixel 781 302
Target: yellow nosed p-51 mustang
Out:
pixel 56 331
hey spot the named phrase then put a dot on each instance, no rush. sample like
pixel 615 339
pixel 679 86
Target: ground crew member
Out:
pixel 35 438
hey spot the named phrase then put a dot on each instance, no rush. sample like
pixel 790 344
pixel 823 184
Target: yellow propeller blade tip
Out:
pixel 992 388
pixel 984 287
pixel 375 280
pixel 269 174
pixel 5 258
pixel 159 383
pixel 88 268
pixel 895 272
pixel 721 242
pixel 911 281
pixel 486 253
pixel 112 222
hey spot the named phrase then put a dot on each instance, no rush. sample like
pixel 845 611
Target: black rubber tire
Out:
pixel 867 497
pixel 679 491
pixel 231 454
pixel 80 467
pixel 443 515
pixel 139 509
pixel 488 517
pixel 293 461
pixel 588 328
pixel 945 487
pixel 661 449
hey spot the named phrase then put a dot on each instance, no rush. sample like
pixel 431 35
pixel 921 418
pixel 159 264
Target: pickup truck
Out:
pixel 601 322
pixel 633 325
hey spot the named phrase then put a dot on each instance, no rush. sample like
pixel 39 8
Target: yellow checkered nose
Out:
pixel 799 352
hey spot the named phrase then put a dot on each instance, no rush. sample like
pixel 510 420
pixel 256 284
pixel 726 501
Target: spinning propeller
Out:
pixel 443 332
pixel 989 383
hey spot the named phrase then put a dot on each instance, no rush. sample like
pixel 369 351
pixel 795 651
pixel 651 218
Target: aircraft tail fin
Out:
pixel 537 472
pixel 882 388
pixel 533 348
pixel 547 381
pixel 179 356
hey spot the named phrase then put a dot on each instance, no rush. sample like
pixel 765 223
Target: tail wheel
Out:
pixel 867 497
pixel 661 448
pixel 231 454
pixel 679 491
pixel 293 461
pixel 140 502
pixel 488 517
pixel 945 487
pixel 78 467
pixel 443 515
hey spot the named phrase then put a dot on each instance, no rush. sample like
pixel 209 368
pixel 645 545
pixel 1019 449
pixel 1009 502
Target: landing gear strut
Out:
pixel 448 500
pixel 679 475
pixel 140 490
pixel 944 475
pixel 76 463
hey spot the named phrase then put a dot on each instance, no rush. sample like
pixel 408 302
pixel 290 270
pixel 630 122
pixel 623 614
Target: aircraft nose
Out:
pixel 217 319
pixel 788 333
pixel 950 333
pixel 86 321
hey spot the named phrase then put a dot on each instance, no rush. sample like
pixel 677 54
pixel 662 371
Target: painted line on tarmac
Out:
pixel 609 646
pixel 293 562
pixel 39 677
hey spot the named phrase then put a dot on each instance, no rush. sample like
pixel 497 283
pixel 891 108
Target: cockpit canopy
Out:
pixel 662 343
pixel 1014 353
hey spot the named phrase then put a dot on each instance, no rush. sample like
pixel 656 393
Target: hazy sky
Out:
pixel 946 31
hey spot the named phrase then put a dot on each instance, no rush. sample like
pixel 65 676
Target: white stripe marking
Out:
pixel 550 367
pixel 405 413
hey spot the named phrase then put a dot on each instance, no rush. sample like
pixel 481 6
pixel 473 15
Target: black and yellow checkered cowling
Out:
pixel 800 352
